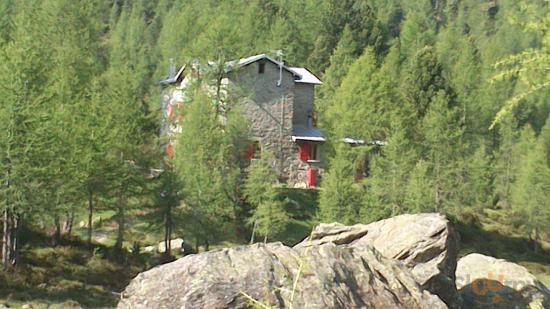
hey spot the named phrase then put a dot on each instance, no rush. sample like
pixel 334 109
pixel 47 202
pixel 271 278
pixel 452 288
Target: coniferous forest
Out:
pixel 458 91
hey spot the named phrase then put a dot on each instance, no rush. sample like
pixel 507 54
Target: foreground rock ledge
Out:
pixel 425 243
pixel 326 276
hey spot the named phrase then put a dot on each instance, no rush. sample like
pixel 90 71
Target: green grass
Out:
pixel 69 275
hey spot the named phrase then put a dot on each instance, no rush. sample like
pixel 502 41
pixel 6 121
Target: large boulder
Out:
pixel 425 243
pixel 487 282
pixel 324 276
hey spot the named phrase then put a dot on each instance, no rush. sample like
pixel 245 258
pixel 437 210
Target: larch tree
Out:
pixel 268 215
pixel 200 161
pixel 531 186
pixel 21 111
pixel 340 196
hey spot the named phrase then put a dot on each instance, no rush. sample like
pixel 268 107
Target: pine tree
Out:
pixel 529 194
pixel 21 110
pixel 361 95
pixel 387 182
pixel 419 192
pixel 340 61
pixel 269 216
pixel 203 166
pixel 423 79
pixel 441 136
pixel 362 23
pixel 419 28
pixel 340 197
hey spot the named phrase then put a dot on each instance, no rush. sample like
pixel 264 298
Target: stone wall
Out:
pixel 269 109
pixel 303 103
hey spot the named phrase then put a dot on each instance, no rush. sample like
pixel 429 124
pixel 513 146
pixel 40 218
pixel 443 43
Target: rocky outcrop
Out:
pixel 487 282
pixel 425 243
pixel 323 276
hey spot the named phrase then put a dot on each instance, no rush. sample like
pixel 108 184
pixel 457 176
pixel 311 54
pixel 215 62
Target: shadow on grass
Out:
pixel 515 249
pixel 71 274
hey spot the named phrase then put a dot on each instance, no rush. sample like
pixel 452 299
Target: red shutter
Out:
pixel 249 153
pixel 169 151
pixel 311 177
pixel 304 152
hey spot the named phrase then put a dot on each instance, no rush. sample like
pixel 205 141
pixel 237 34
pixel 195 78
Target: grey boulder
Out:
pixel 425 243
pixel 486 282
pixel 323 276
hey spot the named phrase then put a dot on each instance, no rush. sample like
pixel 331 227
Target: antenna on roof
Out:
pixel 172 69
pixel 279 54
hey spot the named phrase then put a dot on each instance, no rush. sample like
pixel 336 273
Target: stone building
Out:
pixel 278 103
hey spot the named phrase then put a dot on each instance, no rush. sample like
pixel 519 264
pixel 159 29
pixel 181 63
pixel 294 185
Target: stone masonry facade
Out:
pixel 275 105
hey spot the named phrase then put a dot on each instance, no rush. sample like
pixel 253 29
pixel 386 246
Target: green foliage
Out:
pixel 340 197
pixel 207 164
pixel 269 216
pixel 79 118
pixel 530 189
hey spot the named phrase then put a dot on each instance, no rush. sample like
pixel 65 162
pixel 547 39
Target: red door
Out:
pixel 311 177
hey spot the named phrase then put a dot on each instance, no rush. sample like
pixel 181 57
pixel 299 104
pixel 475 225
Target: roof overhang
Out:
pixel 306 77
pixel 300 133
pixel 308 138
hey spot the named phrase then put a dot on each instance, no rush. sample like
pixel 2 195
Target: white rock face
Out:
pixel 486 281
pixel 175 244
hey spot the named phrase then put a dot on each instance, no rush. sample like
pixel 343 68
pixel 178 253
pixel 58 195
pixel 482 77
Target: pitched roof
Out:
pixel 306 76
pixel 301 75
pixel 246 61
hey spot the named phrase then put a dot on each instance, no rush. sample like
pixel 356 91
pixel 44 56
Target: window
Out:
pixel 314 152
pixel 309 152
pixel 261 67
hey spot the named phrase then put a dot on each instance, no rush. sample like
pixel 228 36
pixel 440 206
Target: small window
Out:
pixel 261 67
pixel 309 152
pixel 314 152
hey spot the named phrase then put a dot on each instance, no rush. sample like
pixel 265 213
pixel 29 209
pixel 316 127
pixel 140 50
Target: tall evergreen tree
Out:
pixel 269 216
pixel 530 189
pixel 340 197
pixel 21 109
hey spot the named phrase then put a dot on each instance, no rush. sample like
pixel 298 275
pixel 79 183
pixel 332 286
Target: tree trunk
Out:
pixel 90 216
pixel 6 241
pixel 253 232
pixel 57 233
pixel 168 231
pixel 68 224
pixel 197 244
pixel 14 250
pixel 120 232
pixel 120 220
pixel 206 244
pixel 536 240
